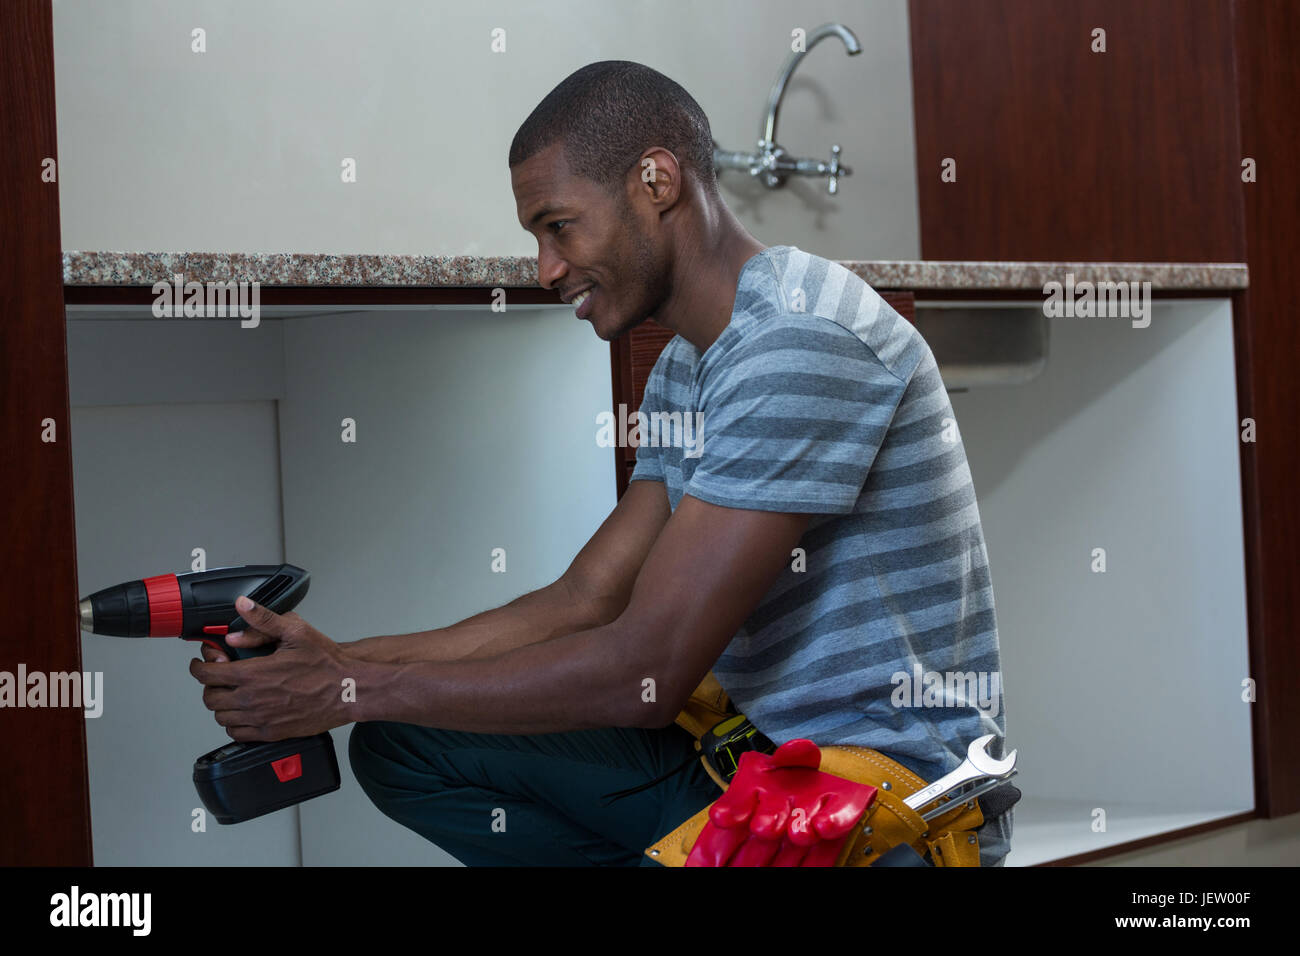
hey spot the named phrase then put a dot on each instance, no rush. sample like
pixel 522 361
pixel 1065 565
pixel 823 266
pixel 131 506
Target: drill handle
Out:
pixel 218 642
pixel 279 590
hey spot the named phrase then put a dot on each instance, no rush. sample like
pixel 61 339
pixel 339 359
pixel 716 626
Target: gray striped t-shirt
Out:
pixel 819 398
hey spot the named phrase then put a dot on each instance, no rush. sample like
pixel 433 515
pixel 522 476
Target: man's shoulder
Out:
pixel 826 300
pixel 674 360
pixel 802 342
pixel 768 327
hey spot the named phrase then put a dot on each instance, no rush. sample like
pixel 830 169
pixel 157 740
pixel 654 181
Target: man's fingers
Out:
pixel 219 698
pixel 250 637
pixel 210 653
pixel 245 734
pixel 259 618
pixel 217 675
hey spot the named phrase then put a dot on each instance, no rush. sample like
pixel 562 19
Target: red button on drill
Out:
pixel 288 768
pixel 216 628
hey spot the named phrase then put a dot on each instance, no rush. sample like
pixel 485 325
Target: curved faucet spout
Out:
pixel 767 131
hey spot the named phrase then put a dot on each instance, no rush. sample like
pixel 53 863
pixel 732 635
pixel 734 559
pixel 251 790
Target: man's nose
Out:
pixel 550 269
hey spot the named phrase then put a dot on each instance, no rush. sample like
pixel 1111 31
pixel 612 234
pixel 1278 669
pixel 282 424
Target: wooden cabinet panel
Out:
pixel 1065 152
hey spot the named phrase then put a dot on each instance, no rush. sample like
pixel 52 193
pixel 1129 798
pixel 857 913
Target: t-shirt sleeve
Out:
pixel 649 467
pixel 795 420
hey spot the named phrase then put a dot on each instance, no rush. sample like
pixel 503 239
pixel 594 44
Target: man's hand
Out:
pixel 780 810
pixel 295 692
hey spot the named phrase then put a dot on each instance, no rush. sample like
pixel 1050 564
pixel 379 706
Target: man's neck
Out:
pixel 704 284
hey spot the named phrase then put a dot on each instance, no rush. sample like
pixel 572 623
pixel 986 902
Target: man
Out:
pixel 824 539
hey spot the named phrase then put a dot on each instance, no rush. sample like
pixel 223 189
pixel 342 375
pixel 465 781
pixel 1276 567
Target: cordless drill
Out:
pixel 237 781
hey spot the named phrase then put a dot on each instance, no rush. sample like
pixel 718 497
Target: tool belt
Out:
pixel 887 823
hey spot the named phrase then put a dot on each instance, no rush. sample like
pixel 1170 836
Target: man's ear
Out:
pixel 659 178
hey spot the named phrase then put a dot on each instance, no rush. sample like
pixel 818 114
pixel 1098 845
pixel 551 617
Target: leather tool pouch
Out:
pixel 888 822
pixel 708 705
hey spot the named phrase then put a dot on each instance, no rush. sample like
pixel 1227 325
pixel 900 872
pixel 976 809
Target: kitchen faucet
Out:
pixel 771 162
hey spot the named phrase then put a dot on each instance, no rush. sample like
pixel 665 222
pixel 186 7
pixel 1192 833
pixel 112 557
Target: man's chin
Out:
pixel 609 335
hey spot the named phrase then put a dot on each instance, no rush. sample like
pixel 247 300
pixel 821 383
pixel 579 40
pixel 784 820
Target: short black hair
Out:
pixel 608 113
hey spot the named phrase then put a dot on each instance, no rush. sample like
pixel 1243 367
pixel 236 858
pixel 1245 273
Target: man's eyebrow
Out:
pixel 540 214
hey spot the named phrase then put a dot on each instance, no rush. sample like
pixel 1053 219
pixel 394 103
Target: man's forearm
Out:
pixel 592 678
pixel 539 615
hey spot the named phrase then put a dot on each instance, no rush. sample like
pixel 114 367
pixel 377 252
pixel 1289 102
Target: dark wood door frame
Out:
pixel 1267 83
pixel 45 802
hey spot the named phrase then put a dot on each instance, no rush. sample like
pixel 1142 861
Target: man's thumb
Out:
pixel 258 617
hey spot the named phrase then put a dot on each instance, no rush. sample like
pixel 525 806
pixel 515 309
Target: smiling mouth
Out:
pixel 582 303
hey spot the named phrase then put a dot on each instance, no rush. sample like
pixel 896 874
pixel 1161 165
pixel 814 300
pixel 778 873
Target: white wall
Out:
pixel 239 148
pixel 475 431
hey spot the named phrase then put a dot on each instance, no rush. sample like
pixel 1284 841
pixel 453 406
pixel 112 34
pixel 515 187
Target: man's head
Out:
pixel 611 159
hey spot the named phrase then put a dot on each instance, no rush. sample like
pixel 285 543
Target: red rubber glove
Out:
pixel 780 810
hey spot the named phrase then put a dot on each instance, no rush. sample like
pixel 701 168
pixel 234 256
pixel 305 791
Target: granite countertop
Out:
pixel 324 270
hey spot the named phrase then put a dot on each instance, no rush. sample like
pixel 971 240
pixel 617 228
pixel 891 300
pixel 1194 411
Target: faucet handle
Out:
pixel 835 170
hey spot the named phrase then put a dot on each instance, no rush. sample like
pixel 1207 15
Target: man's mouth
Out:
pixel 582 303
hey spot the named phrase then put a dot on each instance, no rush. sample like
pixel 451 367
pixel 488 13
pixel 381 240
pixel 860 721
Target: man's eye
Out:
pixel 555 225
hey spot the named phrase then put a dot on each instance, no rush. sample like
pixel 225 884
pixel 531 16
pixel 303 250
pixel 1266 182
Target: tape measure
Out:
pixel 723 743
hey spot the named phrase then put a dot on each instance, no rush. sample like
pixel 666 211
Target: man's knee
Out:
pixel 371 754
pixel 390 756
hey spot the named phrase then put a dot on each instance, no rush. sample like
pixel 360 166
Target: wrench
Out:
pixel 977 764
pixel 969 795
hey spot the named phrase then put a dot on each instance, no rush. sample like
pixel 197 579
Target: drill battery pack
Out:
pixel 244 780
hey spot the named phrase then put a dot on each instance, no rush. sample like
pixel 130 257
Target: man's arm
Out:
pixel 704 575
pixel 593 591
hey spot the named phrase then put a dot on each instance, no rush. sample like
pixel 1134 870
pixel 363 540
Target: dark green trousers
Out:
pixel 503 800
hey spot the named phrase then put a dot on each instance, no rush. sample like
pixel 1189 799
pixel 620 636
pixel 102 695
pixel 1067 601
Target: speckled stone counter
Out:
pixel 394 271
